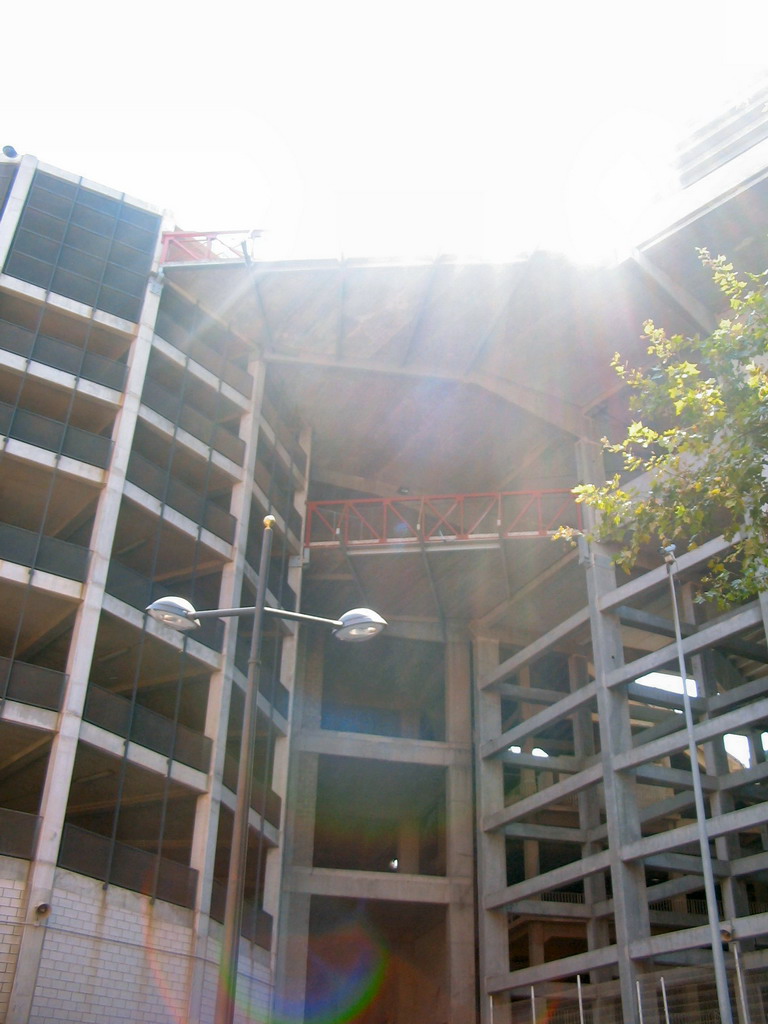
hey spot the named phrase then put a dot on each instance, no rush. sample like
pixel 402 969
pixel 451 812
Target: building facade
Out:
pixel 484 814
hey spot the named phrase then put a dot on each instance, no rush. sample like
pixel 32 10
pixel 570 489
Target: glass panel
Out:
pixel 87 241
pixel 27 269
pixel 75 287
pixel 50 183
pixel 30 244
pixel 119 304
pixel 93 221
pixel 43 223
pixel 44 201
pixel 81 263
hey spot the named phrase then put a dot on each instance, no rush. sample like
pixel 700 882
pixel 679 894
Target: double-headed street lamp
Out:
pixel 356 625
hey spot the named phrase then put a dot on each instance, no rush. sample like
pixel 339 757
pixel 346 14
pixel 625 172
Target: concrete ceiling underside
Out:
pixel 447 378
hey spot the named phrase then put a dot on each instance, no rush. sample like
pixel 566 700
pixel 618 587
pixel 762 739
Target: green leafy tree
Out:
pixel 697 455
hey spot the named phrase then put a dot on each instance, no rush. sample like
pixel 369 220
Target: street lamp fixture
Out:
pixel 357 625
pixel 353 626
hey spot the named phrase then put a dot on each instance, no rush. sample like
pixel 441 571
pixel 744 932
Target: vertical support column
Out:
pixel 759 755
pixel 530 784
pixel 15 204
pixel 492 861
pixel 459 829
pixel 621 809
pixel 207 810
pixel 291 670
pixel 598 932
pixel 408 845
pixel 291 946
pixel 65 741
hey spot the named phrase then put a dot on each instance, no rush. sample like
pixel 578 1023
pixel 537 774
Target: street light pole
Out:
pixel 357 625
pixel 721 976
pixel 233 909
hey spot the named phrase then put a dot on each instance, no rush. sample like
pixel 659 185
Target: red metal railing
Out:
pixel 441 518
pixel 206 246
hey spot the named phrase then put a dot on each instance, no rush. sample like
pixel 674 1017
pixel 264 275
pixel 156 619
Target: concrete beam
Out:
pixel 532 651
pixel 555 879
pixel 756 865
pixel 531 695
pixel 686 864
pixel 571 765
pixel 582 963
pixel 742 694
pixel 382 748
pixel 136 754
pixel 711 728
pixel 570 702
pixel 745 777
pixel 656 697
pixel 697 311
pixel 723 824
pixel 538 801
pixel 545 833
pixel 658 577
pixel 708 636
pixel 552 909
pixel 672 806
pixel 373 885
pixel 25 714
pixel 675 778
pixel 742 928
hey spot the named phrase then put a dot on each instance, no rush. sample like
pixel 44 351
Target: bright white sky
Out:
pixel 367 128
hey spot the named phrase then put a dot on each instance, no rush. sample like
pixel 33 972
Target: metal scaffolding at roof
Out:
pixel 440 519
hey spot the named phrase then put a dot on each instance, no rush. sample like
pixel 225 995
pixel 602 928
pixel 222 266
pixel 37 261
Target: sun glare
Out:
pixel 422 131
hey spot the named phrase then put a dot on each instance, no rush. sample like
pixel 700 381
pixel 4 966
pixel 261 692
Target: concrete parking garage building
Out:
pixel 484 814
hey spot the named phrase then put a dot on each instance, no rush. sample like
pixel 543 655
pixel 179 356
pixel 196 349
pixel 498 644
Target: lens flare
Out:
pixel 346 969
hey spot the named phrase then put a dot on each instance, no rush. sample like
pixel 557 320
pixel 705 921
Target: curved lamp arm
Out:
pixel 354 626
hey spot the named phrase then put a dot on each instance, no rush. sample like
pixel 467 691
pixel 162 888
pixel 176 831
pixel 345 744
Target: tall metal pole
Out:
pixel 740 979
pixel 721 977
pixel 233 911
pixel 664 997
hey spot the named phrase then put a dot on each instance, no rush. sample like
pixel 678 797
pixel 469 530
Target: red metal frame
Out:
pixel 442 518
pixel 204 246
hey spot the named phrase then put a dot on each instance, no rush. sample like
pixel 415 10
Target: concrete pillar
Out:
pixel 598 932
pixel 492 864
pixel 408 846
pixel 205 833
pixel 530 783
pixel 621 808
pixel 461 961
pixel 65 741
pixel 459 830
pixel 293 953
pixel 14 204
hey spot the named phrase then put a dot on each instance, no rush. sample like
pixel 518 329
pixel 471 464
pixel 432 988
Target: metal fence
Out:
pixel 685 995
pixel 689 996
